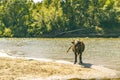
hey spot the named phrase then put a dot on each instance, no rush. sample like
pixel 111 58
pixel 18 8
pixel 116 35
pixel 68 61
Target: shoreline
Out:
pixel 29 69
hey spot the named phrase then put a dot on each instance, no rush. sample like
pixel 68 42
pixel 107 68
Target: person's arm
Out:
pixel 69 49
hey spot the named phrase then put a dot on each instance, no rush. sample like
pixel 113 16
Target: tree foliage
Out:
pixel 24 18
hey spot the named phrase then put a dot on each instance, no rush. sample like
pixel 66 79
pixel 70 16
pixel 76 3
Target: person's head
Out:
pixel 75 41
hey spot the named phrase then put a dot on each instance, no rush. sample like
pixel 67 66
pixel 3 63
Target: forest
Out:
pixel 60 18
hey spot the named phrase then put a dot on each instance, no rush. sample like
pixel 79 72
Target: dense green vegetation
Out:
pixel 57 18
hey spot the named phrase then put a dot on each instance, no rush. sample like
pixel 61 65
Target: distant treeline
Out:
pixel 53 18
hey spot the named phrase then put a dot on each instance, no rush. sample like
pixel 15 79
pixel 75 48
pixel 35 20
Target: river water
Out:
pixel 98 51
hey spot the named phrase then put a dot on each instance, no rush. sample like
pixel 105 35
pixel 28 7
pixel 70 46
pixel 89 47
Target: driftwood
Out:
pixel 87 34
pixel 71 31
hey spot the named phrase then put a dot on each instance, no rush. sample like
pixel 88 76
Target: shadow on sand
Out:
pixel 86 65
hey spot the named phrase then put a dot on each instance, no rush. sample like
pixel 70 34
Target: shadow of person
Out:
pixel 86 65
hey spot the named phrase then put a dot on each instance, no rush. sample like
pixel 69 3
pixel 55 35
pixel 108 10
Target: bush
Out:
pixel 7 32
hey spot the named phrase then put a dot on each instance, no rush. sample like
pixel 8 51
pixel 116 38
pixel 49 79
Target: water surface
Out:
pixel 98 51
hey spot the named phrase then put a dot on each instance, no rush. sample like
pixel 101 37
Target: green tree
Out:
pixel 16 17
pixel 24 18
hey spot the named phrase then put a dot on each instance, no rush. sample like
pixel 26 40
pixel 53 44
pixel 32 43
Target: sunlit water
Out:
pixel 98 51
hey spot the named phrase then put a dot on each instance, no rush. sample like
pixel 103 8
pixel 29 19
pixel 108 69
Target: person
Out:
pixel 77 47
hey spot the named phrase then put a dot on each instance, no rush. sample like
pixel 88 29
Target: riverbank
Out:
pixel 29 69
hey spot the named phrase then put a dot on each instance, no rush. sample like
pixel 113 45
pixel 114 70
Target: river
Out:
pixel 98 51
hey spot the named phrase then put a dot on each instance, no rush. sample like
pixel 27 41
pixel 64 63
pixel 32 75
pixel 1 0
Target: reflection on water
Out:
pixel 99 51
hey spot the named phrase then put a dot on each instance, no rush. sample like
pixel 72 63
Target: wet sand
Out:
pixel 29 69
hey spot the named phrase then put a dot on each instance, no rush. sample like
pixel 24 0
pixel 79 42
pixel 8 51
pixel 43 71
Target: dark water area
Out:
pixel 98 51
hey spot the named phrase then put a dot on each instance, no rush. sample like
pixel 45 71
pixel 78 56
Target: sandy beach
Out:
pixel 31 69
